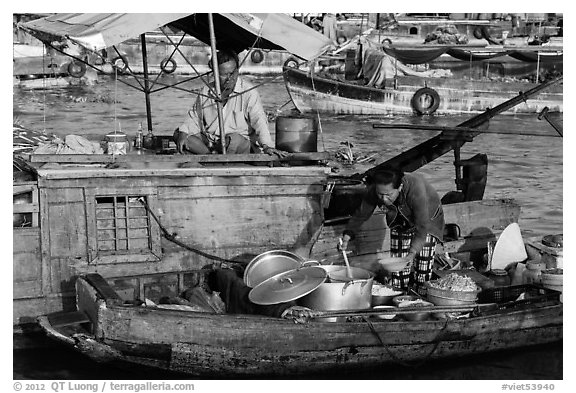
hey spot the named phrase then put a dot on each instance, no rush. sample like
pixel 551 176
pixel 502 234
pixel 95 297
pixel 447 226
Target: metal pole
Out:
pixel 217 83
pixel 146 87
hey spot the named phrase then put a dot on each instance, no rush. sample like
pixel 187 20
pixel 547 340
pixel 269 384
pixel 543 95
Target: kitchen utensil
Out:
pixel 346 261
pixel 269 264
pixel 288 286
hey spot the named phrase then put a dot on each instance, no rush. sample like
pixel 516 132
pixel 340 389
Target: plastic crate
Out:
pixel 533 293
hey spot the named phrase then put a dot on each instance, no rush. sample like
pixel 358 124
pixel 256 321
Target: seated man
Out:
pixel 245 122
pixel 234 293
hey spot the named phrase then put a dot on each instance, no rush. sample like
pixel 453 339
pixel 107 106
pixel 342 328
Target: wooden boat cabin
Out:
pixel 74 219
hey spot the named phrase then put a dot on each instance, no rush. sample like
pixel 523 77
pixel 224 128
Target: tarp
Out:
pixel 237 31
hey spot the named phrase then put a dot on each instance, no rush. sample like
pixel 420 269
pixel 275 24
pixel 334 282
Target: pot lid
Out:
pixel 288 286
pixel 269 264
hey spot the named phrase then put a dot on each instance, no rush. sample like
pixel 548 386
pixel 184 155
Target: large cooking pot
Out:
pixel 341 294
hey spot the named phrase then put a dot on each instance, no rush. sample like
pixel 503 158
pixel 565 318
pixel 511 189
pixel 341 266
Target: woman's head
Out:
pixel 387 183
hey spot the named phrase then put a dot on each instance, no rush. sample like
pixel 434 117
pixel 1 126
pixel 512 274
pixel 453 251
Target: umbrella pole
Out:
pixel 217 82
pixel 146 86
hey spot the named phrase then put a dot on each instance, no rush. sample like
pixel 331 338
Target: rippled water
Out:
pixel 526 168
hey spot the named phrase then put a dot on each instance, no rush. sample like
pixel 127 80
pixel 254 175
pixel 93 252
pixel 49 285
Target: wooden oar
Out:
pixel 404 310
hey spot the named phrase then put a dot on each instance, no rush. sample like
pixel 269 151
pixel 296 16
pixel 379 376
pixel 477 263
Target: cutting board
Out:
pixel 480 280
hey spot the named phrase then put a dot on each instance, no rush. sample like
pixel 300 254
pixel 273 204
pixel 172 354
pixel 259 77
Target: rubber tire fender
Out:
pixel 256 56
pixel 291 62
pixel 340 39
pixel 124 61
pixel 76 69
pixel 170 69
pixel 417 105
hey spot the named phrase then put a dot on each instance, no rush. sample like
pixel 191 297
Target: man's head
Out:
pixel 387 182
pixel 227 68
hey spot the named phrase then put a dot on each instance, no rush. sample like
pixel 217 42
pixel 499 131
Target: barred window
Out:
pixel 121 228
pixel 122 223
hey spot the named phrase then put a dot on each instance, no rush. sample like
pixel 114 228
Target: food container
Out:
pixel 500 277
pixel 393 264
pixel 402 298
pixel 553 279
pixel 354 294
pixel 117 143
pixel 533 273
pixel 384 316
pixel 383 294
pixel 445 297
pixel 420 316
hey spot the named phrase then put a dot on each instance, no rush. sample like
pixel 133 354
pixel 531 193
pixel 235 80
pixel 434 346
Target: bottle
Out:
pixel 139 140
pixel 148 142
pixel 500 277
pixel 533 273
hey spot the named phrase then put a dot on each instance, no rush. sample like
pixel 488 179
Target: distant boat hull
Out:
pixel 331 96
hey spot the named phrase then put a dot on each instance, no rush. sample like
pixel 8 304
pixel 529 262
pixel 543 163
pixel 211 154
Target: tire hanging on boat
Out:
pixel 425 101
pixel 256 56
pixel 291 62
pixel 340 39
pixel 168 66
pixel 121 63
pixel 76 69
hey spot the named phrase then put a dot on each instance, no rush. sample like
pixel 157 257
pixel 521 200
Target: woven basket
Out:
pixel 444 297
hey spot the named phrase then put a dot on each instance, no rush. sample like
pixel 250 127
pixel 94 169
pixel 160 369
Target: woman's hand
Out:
pixel 298 314
pixel 343 243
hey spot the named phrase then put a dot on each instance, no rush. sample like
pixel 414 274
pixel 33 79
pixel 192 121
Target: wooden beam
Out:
pixel 177 158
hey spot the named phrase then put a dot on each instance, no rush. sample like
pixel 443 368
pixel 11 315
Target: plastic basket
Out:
pixel 531 293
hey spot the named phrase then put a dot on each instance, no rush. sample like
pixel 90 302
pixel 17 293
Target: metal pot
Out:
pixel 342 295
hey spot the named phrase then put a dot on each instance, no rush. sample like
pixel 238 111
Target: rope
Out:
pixel 400 361
pixel 172 237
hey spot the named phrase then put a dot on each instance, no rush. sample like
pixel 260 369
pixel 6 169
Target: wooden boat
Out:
pixel 148 225
pixel 228 346
pixel 403 94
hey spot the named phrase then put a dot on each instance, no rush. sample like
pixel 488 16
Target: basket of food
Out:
pixel 452 290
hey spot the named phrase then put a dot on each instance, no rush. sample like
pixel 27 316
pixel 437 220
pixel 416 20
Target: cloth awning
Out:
pixel 236 31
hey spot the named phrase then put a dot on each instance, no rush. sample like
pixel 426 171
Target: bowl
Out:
pixel 393 264
pixel 382 294
pixel 384 316
pixel 402 298
pixel 420 316
pixel 445 297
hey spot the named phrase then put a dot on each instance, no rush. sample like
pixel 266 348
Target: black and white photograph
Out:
pixel 214 197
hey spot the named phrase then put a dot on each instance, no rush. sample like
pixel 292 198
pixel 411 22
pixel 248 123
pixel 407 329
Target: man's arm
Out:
pixel 192 125
pixel 363 213
pixel 258 120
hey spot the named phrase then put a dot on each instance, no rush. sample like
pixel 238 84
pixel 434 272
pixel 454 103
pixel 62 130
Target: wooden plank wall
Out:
pixel 231 216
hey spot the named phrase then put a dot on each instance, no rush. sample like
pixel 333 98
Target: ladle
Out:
pixel 348 270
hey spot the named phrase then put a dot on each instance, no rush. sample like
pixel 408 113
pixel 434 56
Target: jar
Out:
pixel 500 277
pixel 533 273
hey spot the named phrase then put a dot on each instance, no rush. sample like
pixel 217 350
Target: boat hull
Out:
pixel 456 96
pixel 212 345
